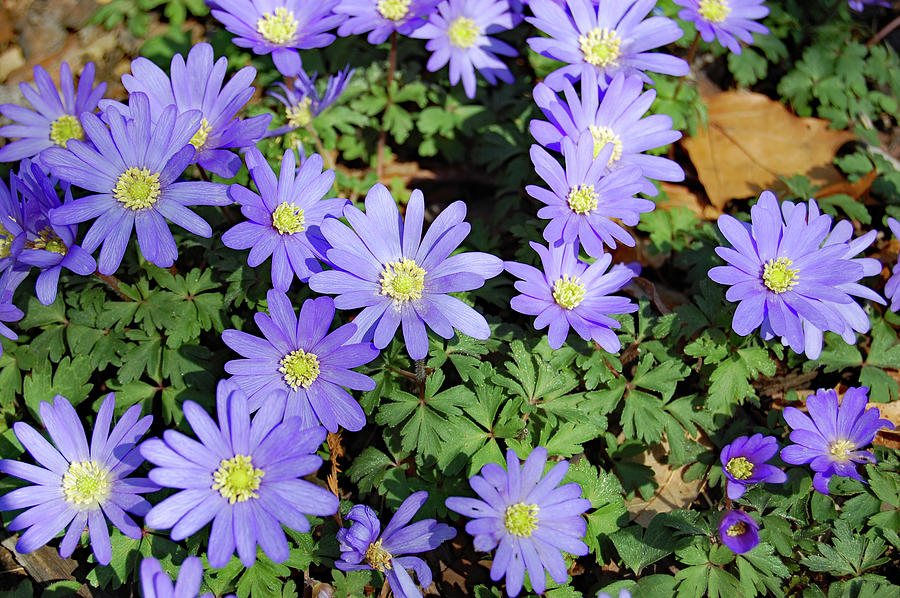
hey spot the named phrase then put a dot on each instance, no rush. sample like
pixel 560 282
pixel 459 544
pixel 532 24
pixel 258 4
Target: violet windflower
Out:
pixel 738 531
pixel 8 313
pixel 155 582
pixel 381 18
pixel 744 463
pixel 860 5
pixel 732 21
pixel 365 546
pixel 302 102
pixel 12 235
pixel 832 436
pixel 892 288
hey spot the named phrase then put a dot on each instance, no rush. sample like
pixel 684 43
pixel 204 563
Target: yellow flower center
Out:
pixel 64 128
pixel 299 368
pixel 840 449
pixel 300 114
pixel 521 519
pixel 236 479
pixel 137 188
pixel 278 27
pixel 602 136
pixel 49 241
pixel 6 240
pixel 583 199
pixel 393 9
pixel 601 46
pixel 740 468
pixel 202 134
pixel 463 32
pixel 403 280
pixel 714 11
pixel 86 484
pixel 568 292
pixel 737 529
pixel 778 277
pixel 377 557
pixel 288 219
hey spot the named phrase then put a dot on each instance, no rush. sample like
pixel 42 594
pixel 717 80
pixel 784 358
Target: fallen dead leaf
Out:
pixel 855 190
pixel 891 412
pixel 679 195
pixel 752 140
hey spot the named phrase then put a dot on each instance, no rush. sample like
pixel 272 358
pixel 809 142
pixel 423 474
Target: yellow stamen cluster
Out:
pixel 64 128
pixel 236 479
pixel 6 240
pixel 393 9
pixel 778 276
pixel 300 114
pixel 463 32
pixel 86 484
pixel 568 292
pixel 601 46
pixel 739 467
pixel 521 520
pixel 288 219
pixel 202 134
pixel 840 449
pixel 300 369
pixel 737 529
pixel 714 11
pixel 49 241
pixel 278 27
pixel 137 188
pixel 583 199
pixel 602 136
pixel 403 280
pixel 377 557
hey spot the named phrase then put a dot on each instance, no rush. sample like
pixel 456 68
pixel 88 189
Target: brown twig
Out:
pixel 113 283
pixel 884 32
pixel 690 60
pixel 382 138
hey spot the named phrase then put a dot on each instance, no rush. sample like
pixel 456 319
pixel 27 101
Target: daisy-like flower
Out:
pixel 54 119
pixel 732 21
pixel 78 485
pixel 783 277
pixel 892 288
pixel 459 32
pixel 284 217
pixel 133 172
pixel 381 18
pixel 531 519
pixel 196 84
pixel 155 582
pixel 738 531
pixel 364 546
pixel 586 201
pixel 832 436
pixel 302 102
pixel 243 475
pixel 8 313
pixel 384 265
pixel 280 27
pixel 616 118
pixel 744 463
pixel 608 38
pixel 49 247
pixel 570 292
pixel 300 365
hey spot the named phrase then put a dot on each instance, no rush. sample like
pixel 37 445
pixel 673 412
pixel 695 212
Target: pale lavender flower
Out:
pixel 302 102
pixel 892 288
pixel 381 18
pixel 732 21
pixel 155 582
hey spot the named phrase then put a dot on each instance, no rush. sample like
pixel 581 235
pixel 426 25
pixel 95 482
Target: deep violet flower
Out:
pixel 283 219
pixel 385 265
pixel 531 519
pixel 8 313
pixel 744 463
pixel 196 84
pixel 381 18
pixel 459 33
pixel 832 436
pixel 133 172
pixel 738 531
pixel 364 546
pixel 586 201
pixel 615 116
pixel 78 485
pixel 155 582
pixel 302 102
pixel 300 365
pixel 281 27
pixel 609 38
pixel 892 288
pixel 243 475
pixel 860 5
pixel 732 21
pixel 570 292
pixel 54 119
pixel 12 235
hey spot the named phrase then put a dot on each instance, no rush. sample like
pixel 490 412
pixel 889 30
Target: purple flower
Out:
pixel 133 172
pixel 284 217
pixel 458 33
pixel 12 235
pixel 531 519
pixel 54 120
pixel 729 20
pixel 738 531
pixel 78 485
pixel 8 313
pixel 155 583
pixel 622 594
pixel 572 293
pixel 300 366
pixel 243 476
pixel 783 277
pixel 744 463
pixel 860 5
pixel 197 85
pixel 892 288
pixel 384 265
pixel 279 26
pixel 608 38
pixel 617 118
pixel 302 102
pixel 364 546
pixel 586 200
pixel 381 18
pixel 832 441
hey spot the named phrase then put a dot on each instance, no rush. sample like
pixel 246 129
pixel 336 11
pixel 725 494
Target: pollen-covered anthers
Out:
pixel 602 136
pixel 236 479
pixel 377 557
pixel 279 27
pixel 86 484
pixel 778 276
pixel 737 529
pixel 48 241
pixel 64 128
pixel 137 188
pixel 583 199
pixel 520 519
pixel 299 369
pixel 601 46
pixel 6 240
pixel 288 219
pixel 463 32
pixel 300 114
pixel 393 10
pixel 200 137
pixel 568 292
pixel 403 280
pixel 740 468
pixel 714 11
pixel 840 449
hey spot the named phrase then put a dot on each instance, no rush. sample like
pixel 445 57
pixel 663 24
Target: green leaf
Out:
pixel 263 579
pixel 69 379
pixel 639 548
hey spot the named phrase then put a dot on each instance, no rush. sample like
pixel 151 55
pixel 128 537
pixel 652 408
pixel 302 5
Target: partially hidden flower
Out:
pixel 8 313
pixel 528 517
pixel 155 582
pixel 731 21
pixel 832 437
pixel 78 485
pixel 622 594
pixel 300 365
pixel 302 102
pixel 738 531
pixel 365 546
pixel 892 288
pixel 381 18
pixel 383 264
pixel 245 476
pixel 572 293
pixel 744 463
pixel 54 119
pixel 860 5
pixel 12 235
pixel 284 217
